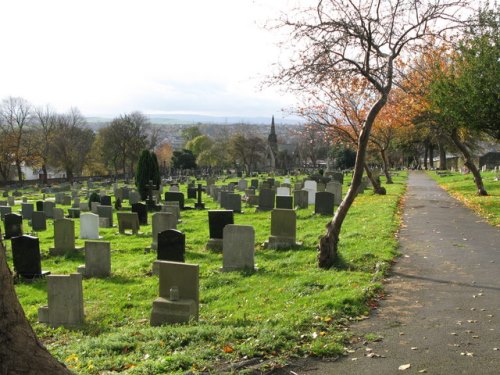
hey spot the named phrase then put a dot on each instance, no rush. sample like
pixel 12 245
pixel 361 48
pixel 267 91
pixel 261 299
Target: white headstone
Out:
pixel 311 187
pixel 89 226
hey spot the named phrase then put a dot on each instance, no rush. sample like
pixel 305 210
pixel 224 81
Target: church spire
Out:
pixel 272 139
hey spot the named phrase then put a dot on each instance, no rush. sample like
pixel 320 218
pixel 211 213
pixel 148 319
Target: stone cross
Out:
pixel 199 205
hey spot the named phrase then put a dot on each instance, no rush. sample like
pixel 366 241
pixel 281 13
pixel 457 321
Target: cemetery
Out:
pixel 113 292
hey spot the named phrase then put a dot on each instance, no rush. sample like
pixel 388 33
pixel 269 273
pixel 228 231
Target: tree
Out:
pixel 20 350
pixel 71 143
pixel 199 144
pixel 164 153
pixel 337 42
pixel 45 124
pixel 190 133
pixel 155 176
pixel 183 160
pixel 246 150
pixel 144 174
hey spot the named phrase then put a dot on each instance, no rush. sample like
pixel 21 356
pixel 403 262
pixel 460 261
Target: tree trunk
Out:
pixel 377 188
pixel 69 175
pixel 388 178
pixel 431 155
pixel 442 156
pixel 328 243
pixel 20 350
pixel 426 153
pixel 469 163
pixel 19 172
pixel 44 174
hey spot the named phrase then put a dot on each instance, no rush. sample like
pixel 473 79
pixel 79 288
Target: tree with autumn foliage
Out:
pixel 336 42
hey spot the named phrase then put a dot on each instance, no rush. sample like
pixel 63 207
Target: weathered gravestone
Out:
pixel 321 187
pixel 301 198
pixel 142 212
pixel 283 191
pixel 233 202
pixel 38 221
pixel 222 199
pixel 191 192
pixel 4 210
pixel 11 201
pixel 266 199
pixel 84 207
pixel 284 202
pixel 242 185
pixel 65 301
pixel 178 300
pixel 311 187
pixel 39 205
pixel 26 257
pixel 58 213
pixel 128 220
pixel 217 220
pixel 64 237
pixel 27 210
pixel 73 213
pixel 172 209
pixel 174 188
pixel 238 248
pixel 199 205
pixel 335 188
pixel 97 259
pixel 89 226
pixel 66 200
pixel 13 224
pixel 105 212
pixel 178 196
pixel 161 222
pixel 105 200
pixel 324 203
pixel 93 207
pixel 133 197
pixel 58 198
pixel 283 229
pixel 48 208
pixel 171 247
pixel 254 183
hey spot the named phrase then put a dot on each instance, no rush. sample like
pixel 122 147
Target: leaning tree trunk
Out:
pixel 377 188
pixel 20 350
pixel 442 157
pixel 388 178
pixel 469 162
pixel 328 243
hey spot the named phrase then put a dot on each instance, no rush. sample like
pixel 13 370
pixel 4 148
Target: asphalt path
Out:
pixel 441 314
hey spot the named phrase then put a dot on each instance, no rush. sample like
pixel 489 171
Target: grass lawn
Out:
pixel 288 307
pixel 462 187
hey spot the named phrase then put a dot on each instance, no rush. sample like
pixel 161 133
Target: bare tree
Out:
pixel 45 124
pixel 344 40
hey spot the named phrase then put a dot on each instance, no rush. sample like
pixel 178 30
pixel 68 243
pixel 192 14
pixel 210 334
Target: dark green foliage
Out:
pixel 184 159
pixel 144 173
pixel 94 197
pixel 156 171
pixel 343 157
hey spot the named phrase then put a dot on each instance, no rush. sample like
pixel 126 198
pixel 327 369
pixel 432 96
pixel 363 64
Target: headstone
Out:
pixel 48 208
pixel 66 200
pixel 191 192
pixel 321 187
pixel 97 259
pixel 125 192
pixel 58 213
pixel 89 226
pixel 284 202
pixel 26 257
pixel 324 203
pixel 128 220
pixel 174 189
pixel 74 213
pixel 93 207
pixel 84 207
pixel 4 210
pixel 27 210
pixel 105 200
pixel 25 200
pixel 254 183
pixel 38 221
pixel 39 205
pixel 171 247
pixel 58 198
pixel 335 188
pixel 64 237
pixel 134 197
pixel 217 220
pixel 266 199
pixel 337 176
pixel 283 191
pixel 222 198
pixel 173 210
pixel 142 212
pixel 65 301
pixel 311 187
pixel 238 248
pixel 175 197
pixel 199 205
pixel 107 213
pixel 283 229
pixel 242 185
pixel 179 294
pixel 161 222
pixel 13 224
pixel 11 201
pixel 233 202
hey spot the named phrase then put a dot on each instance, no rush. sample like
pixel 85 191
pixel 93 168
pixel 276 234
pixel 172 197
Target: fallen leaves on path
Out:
pixel 404 367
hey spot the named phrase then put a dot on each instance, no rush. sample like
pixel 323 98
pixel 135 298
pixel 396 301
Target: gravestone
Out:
pixel 199 205
pixel 283 191
pixel 335 188
pixel 133 197
pixel 178 300
pixel 39 205
pixel 161 222
pixel 254 183
pixel 25 200
pixel 65 301
pixel 128 220
pixel 27 210
pixel 284 202
pixel 58 198
pixel 48 208
pixel 238 248
pixel 97 259
pixel 222 198
pixel 321 187
pixel 142 212
pixel 125 192
pixel 26 257
pixel 301 198
pixel 217 220
pixel 266 199
pixel 324 203
pixel 337 176
pixel 38 221
pixel 84 207
pixel 175 197
pixel 283 229
pixel 105 200
pixel 171 247
pixel 107 213
pixel 74 213
pixel 174 188
pixel 311 187
pixel 4 210
pixel 64 237
pixel 58 213
pixel 191 192
pixel 173 210
pixel 89 226
pixel 242 185
pixel 11 201
pixel 233 202
pixel 93 207
pixel 13 224
pixel 66 200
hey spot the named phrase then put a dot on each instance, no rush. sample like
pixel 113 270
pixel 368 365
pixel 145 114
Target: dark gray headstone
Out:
pixel 266 199
pixel 4 210
pixel 107 212
pixel 105 200
pixel 39 205
pixel 283 201
pixel 171 245
pixel 233 202
pixel 13 224
pixel 39 221
pixel 324 203
pixel 254 183
pixel 191 192
pixel 73 213
pixel 175 196
pixel 26 256
pixel 217 220
pixel 142 212
pixel 27 210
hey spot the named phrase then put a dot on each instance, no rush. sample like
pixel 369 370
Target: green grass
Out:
pixel 288 307
pixel 462 187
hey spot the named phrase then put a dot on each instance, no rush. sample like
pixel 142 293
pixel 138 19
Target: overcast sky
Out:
pixel 108 57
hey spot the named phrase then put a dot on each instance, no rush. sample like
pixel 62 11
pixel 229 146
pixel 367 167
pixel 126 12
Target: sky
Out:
pixel 109 57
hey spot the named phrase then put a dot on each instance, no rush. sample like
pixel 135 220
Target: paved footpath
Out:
pixel 441 314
